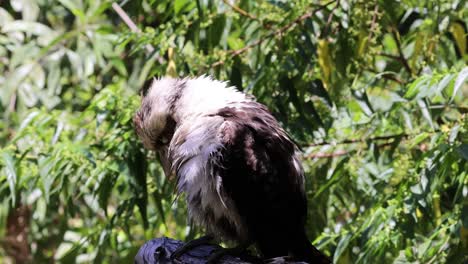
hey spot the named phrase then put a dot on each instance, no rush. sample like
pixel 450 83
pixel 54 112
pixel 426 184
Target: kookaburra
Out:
pixel 239 169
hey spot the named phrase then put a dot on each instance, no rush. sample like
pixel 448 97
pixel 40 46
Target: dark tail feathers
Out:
pixel 302 249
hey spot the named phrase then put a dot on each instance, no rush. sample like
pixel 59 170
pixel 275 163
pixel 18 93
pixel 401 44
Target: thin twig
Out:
pixel 359 140
pixel 402 58
pixel 12 105
pixel 240 10
pixel 277 32
pixel 340 152
pixel 387 76
pixel 453 106
pixel 391 77
pixel 328 155
pixel 373 24
pixel 330 16
pixel 125 18
pixel 133 27
pixel 391 56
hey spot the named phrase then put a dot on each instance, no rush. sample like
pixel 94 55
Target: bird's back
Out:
pixel 242 177
pixel 263 176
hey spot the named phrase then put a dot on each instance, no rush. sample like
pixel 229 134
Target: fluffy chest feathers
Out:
pixel 195 152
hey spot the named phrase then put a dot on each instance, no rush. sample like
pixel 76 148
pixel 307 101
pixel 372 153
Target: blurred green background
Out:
pixel 373 91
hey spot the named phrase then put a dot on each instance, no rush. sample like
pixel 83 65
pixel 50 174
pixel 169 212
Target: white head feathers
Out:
pixel 171 102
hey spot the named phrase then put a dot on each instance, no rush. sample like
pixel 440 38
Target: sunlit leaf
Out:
pixel 459 82
pixel 28 27
pixel 342 246
pixel 458 30
pixel 324 59
pixel 425 112
pixel 5 17
pixel 416 87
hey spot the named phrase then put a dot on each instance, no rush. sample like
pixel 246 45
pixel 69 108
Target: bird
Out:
pixel 239 169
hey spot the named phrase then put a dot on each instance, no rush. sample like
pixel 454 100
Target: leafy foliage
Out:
pixel 374 92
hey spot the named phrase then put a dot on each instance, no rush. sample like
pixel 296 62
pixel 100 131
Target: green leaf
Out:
pixel 459 82
pixel 29 9
pixel 10 170
pixel 183 6
pixel 335 177
pixel 216 30
pixel 5 17
pixel 416 87
pixel 463 151
pixel 418 139
pixel 27 27
pixel 235 43
pixel 342 246
pixel 458 31
pixel 137 165
pixel 425 112
pixel 47 175
pixel 454 133
pixel 444 83
pixel 15 80
pixel 119 66
pixel 106 185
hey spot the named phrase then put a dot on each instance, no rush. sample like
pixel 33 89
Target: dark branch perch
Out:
pixel 159 250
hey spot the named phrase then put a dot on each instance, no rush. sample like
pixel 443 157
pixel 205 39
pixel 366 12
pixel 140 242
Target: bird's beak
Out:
pixel 165 163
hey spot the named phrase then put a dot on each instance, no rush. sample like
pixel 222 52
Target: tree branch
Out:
pixel 340 152
pixel 373 24
pixel 275 33
pixel 240 10
pixel 128 21
pixel 328 155
pixel 12 104
pixel 387 76
pixel 401 56
pixel 359 140
pixel 330 16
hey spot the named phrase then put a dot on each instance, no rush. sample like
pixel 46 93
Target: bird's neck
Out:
pixel 204 97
